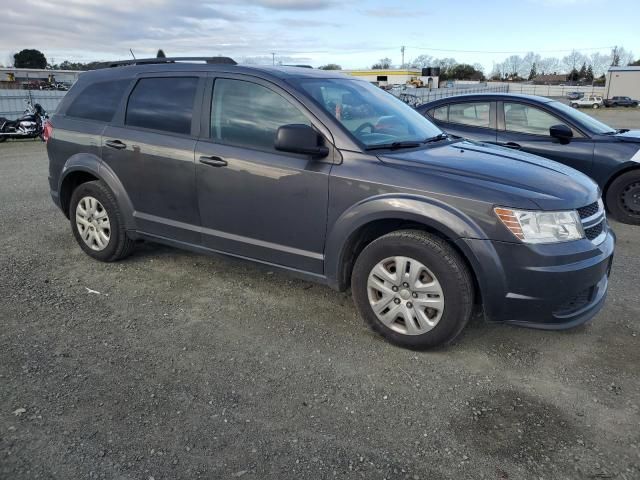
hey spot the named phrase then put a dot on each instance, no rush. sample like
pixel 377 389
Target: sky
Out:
pixel 353 34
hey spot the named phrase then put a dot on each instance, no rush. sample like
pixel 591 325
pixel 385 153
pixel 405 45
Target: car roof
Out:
pixel 470 97
pixel 279 72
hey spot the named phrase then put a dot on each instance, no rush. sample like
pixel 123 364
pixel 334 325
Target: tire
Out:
pixel 2 139
pixel 118 245
pixel 623 198
pixel 595 105
pixel 575 105
pixel 449 276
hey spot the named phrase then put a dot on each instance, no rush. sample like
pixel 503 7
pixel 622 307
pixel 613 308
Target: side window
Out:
pixel 475 114
pixel 528 119
pixel 439 113
pixel 164 103
pixel 248 115
pixel 98 101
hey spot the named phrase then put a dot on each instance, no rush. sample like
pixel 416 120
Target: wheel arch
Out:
pixel 84 168
pixel 624 168
pixel 364 222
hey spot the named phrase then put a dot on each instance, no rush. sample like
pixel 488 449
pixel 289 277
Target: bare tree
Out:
pixel 599 63
pixel 573 61
pixel 422 61
pixel 512 65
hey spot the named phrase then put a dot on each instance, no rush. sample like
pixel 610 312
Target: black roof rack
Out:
pixel 151 61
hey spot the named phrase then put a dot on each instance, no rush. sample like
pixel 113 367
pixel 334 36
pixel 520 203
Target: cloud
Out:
pixel 295 4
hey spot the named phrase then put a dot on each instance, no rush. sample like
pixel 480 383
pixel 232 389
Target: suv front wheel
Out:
pixel 97 224
pixel 413 288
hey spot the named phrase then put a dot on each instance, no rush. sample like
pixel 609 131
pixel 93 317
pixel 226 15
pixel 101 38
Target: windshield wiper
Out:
pixel 394 145
pixel 615 132
pixel 437 138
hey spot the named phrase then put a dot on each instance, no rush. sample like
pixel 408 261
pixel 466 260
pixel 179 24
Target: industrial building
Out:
pixel 392 77
pixel 623 82
pixel 11 77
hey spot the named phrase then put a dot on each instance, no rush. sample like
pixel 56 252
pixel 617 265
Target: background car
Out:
pixel 574 95
pixel 620 102
pixel 591 101
pixel 554 130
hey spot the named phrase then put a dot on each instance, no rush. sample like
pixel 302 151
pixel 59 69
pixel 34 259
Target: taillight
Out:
pixel 47 131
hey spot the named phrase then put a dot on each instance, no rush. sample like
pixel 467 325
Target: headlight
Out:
pixel 542 227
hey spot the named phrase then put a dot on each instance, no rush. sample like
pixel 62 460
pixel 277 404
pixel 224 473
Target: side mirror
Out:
pixel 299 138
pixel 561 132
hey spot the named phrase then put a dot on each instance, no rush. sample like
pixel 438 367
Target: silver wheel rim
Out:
pixel 92 223
pixel 405 295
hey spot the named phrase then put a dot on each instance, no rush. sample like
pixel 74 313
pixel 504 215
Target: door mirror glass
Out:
pixel 561 132
pixel 300 138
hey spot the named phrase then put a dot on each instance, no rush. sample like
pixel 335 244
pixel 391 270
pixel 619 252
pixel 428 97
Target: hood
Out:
pixel 518 177
pixel 630 136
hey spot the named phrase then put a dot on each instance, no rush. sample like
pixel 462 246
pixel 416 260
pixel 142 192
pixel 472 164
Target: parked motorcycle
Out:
pixel 30 125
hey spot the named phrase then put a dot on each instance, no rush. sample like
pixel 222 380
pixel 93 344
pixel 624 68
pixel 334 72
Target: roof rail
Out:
pixel 151 61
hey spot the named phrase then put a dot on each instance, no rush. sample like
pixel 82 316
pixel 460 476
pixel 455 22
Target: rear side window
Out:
pixel 164 103
pixel 98 101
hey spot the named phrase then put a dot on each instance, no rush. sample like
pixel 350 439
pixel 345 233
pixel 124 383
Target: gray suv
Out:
pixel 335 180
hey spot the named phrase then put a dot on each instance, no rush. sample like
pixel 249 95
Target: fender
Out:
pixel 85 162
pixel 433 213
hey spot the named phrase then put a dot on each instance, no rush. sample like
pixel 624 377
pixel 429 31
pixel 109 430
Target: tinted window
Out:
pixel 247 114
pixel 98 101
pixel 475 114
pixel 527 119
pixel 163 104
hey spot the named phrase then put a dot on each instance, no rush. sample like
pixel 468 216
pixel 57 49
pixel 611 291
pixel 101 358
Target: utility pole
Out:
pixel 134 57
pixel 402 50
pixel 273 58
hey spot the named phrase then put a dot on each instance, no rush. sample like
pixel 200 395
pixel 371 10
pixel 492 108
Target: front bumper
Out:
pixel 552 286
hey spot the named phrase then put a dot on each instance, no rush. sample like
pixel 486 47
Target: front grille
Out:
pixel 593 232
pixel 575 303
pixel 589 210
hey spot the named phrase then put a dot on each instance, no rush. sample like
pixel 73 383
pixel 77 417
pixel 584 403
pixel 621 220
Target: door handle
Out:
pixel 117 144
pixel 213 161
pixel 515 146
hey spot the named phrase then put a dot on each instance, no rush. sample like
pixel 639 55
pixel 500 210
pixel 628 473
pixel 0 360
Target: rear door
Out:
pixel 473 120
pixel 255 201
pixel 150 147
pixel 523 126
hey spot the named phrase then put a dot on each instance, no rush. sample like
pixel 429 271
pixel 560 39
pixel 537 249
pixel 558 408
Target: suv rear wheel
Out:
pixel 96 222
pixel 623 198
pixel 413 289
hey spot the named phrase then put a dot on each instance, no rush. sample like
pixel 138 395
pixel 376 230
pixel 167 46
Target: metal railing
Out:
pixel 419 96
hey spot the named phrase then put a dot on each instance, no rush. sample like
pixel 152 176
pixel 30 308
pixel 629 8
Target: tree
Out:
pixel 422 61
pixel 635 64
pixel 589 76
pixel 29 58
pixel 533 73
pixel 582 74
pixel 331 66
pixel 382 64
pixel 574 75
pixel 160 54
pixel 573 60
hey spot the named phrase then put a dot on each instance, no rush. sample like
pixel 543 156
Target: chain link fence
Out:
pixel 418 96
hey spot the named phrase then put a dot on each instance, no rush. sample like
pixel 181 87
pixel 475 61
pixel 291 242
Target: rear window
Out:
pixel 98 101
pixel 164 103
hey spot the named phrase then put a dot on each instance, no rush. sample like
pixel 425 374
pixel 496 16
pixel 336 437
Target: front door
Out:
pixel 255 201
pixel 151 151
pixel 526 127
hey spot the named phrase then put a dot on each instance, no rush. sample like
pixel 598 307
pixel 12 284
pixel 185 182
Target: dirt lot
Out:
pixel 186 367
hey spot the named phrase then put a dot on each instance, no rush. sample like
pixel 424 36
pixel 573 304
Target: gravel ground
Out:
pixel 186 366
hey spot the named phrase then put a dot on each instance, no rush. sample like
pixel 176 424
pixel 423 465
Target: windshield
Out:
pixel 587 121
pixel 373 116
